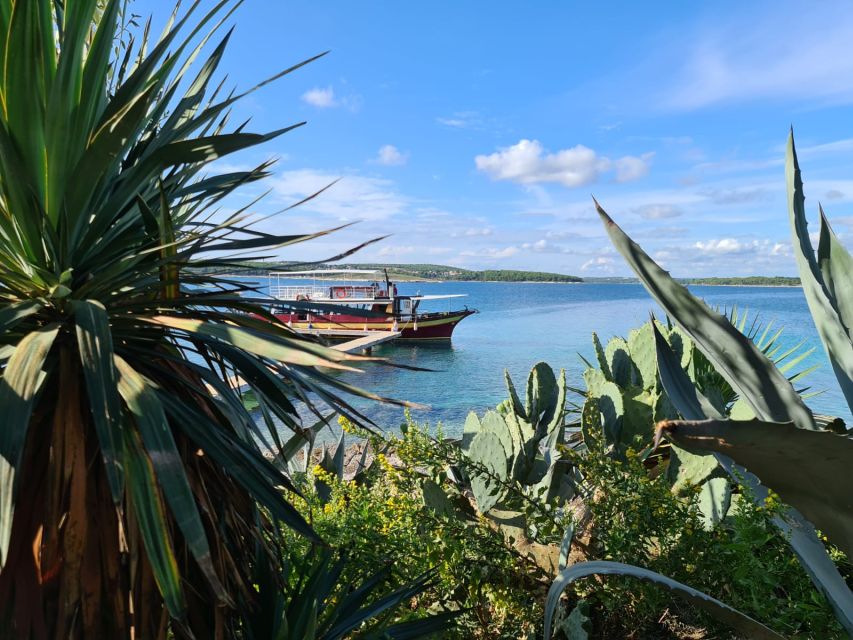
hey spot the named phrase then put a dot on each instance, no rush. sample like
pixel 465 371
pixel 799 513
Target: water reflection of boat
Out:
pixel 348 300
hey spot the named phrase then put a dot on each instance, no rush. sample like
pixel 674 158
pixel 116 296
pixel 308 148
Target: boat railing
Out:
pixel 335 292
pixel 286 292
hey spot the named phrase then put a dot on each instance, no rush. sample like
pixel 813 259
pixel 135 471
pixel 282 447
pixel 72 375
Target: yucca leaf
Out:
pixel 25 79
pixel 151 519
pixel 12 314
pixel 273 347
pixel 93 94
pixel 822 303
pixel 21 382
pixel 733 355
pixel 95 342
pixel 740 622
pixel 353 620
pixel 430 627
pixel 104 150
pixel 143 403
pixel 246 466
pixel 62 140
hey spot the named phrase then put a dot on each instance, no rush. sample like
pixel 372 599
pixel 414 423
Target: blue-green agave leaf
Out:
pixel 734 355
pixel 740 622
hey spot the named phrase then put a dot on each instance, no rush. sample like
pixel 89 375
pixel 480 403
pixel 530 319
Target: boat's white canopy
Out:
pixel 440 296
pixel 324 272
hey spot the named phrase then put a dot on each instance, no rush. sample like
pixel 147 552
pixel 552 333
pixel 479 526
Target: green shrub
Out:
pixel 382 520
pixel 743 561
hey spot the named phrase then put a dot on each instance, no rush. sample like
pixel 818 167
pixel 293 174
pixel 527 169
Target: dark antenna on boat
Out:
pixel 387 283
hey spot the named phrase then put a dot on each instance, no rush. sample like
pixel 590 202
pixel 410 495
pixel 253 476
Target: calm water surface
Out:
pixel 521 324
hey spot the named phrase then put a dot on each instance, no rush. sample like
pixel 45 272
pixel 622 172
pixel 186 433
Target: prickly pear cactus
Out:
pixel 486 484
pixel 517 443
pixel 625 392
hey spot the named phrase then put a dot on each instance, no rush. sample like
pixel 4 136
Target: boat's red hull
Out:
pixel 429 326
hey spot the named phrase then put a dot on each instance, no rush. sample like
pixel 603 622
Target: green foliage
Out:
pixel 518 442
pixel 312 600
pixel 764 392
pixel 744 561
pixel 387 519
pixel 130 470
pixel 513 463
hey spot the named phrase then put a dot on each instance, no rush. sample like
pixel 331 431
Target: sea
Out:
pixel 520 324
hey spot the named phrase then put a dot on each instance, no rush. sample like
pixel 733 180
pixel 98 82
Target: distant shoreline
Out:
pixel 762 286
pixel 417 281
pixel 608 282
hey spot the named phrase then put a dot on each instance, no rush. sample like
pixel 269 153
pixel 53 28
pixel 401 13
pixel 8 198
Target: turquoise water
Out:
pixel 521 324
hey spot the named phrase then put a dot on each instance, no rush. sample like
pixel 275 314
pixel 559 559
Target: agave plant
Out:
pixel 130 470
pixel 778 442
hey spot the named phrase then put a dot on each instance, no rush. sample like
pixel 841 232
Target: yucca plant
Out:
pixel 778 444
pixel 134 493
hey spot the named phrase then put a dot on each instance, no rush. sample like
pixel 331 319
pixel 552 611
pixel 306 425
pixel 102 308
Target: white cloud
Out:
pixel 491 252
pixel 395 251
pixel 631 168
pixel 728 257
pixel 528 162
pixel 738 195
pixel 781 249
pixel 479 231
pixel 752 58
pixel 390 156
pixel 352 198
pixel 724 245
pixel 320 98
pixel 601 264
pixel 658 211
pixel 462 120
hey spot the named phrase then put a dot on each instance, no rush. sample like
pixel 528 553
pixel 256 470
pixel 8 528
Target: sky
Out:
pixel 476 133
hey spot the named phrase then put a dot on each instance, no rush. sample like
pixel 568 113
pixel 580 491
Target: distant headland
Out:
pixel 419 272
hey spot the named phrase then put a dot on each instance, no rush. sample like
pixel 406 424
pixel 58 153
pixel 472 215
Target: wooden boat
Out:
pixel 350 301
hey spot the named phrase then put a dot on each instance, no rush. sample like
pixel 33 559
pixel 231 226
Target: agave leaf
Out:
pixel 21 382
pixel 836 267
pixel 566 546
pixel 299 440
pixel 738 621
pixel 770 451
pixel 740 362
pixel 823 305
pixel 799 532
pixel 690 467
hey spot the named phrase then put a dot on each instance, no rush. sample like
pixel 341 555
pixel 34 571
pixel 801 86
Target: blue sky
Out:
pixel 476 132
